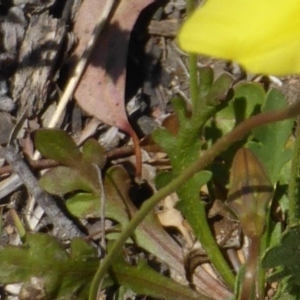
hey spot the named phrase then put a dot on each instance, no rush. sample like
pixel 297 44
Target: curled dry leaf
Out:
pixel 169 216
pixel 250 192
pixel 101 90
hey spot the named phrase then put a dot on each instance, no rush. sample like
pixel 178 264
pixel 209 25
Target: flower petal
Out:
pixel 261 35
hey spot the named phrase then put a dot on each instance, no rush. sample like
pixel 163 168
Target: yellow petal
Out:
pixel 261 35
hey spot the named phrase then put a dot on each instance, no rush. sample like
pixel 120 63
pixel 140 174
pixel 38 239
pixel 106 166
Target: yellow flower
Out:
pixel 261 35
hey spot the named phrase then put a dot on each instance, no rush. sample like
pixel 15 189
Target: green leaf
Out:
pixel 272 138
pixel 219 89
pixel 162 179
pixel 190 208
pixel 150 234
pixel 116 185
pixel 81 250
pixel 93 153
pixel 180 108
pixel 58 145
pixel 145 281
pixel 248 99
pixel 84 205
pixel 275 234
pixel 62 180
pixel 184 149
pixel 285 292
pixel 285 257
pixel 162 136
pixel 193 210
pixel 206 79
pixel 43 257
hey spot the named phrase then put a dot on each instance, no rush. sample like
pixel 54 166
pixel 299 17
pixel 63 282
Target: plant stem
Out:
pixel 251 271
pixel 224 142
pixel 294 205
pixel 261 273
pixel 137 152
pixel 264 244
pixel 190 7
pixel 193 78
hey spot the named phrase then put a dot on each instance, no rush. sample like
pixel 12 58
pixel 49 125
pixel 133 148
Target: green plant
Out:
pixel 187 183
pixel 79 178
pixel 240 127
pixel 221 119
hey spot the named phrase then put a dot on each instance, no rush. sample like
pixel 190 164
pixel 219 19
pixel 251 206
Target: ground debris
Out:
pixel 38 54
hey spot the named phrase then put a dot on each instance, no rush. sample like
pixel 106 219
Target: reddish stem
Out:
pixel 137 151
pixel 251 271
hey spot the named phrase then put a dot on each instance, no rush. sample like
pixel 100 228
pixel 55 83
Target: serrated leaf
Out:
pixel 192 206
pixel 272 138
pixel 44 257
pixel 163 136
pixel 193 210
pixel 206 79
pixel 286 255
pixel 183 149
pixel 61 180
pixel 220 88
pixel 58 145
pixel 180 108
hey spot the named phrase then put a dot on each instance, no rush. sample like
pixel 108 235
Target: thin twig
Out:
pixel 102 206
pixel 121 152
pixel 64 226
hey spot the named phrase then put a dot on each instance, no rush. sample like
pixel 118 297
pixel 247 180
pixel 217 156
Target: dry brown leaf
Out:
pixel 102 87
pixel 169 216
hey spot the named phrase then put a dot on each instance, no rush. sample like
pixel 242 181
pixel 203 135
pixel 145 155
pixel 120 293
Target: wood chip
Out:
pixel 164 28
pixel 38 54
